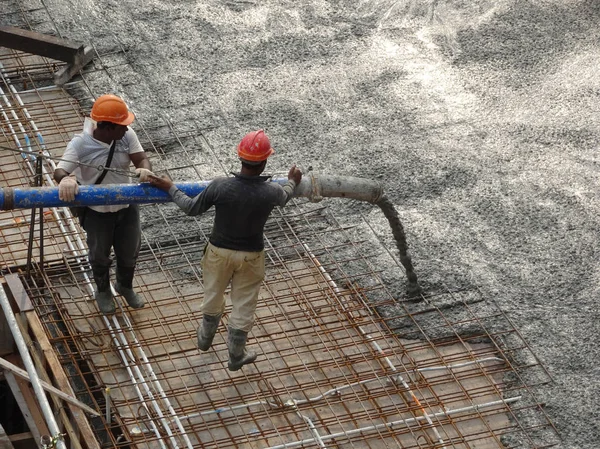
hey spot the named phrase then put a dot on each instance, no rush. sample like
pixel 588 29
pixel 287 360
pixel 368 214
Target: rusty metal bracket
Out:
pixel 76 55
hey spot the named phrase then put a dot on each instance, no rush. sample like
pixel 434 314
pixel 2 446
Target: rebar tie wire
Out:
pixel 99 168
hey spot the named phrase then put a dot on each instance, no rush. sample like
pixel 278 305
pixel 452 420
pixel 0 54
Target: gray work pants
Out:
pixel 119 230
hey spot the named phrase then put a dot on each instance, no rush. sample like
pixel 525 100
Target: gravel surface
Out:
pixel 480 119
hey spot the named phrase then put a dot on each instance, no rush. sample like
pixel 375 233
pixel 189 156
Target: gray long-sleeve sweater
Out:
pixel 242 205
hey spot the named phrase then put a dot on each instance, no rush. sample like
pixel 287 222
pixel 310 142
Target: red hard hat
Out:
pixel 255 147
pixel 110 108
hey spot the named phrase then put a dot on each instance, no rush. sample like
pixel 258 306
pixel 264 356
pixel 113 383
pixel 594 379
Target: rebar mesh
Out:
pixel 342 362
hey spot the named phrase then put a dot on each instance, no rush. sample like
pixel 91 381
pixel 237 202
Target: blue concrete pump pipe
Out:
pixel 312 187
pixel 91 195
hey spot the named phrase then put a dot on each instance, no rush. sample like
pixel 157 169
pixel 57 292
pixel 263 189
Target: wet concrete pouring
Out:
pixel 478 120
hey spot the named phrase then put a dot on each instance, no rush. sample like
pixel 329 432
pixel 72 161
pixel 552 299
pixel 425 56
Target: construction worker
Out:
pixel 235 251
pixel 111 144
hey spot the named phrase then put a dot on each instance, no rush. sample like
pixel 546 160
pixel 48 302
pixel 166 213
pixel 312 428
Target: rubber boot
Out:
pixel 124 286
pixel 238 356
pixel 207 331
pixel 103 295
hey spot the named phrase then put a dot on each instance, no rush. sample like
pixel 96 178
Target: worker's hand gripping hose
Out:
pixel 295 174
pixel 68 188
pixel 144 174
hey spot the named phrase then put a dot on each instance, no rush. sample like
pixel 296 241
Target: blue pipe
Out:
pixel 312 186
pixel 95 195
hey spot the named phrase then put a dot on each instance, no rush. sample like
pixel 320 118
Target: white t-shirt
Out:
pixel 87 150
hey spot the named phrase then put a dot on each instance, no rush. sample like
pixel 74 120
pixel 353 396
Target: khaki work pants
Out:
pixel 245 270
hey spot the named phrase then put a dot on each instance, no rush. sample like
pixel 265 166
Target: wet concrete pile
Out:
pixel 388 209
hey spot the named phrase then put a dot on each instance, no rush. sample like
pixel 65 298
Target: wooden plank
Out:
pixel 65 420
pixel 39 44
pixel 28 405
pixel 18 437
pixel 75 406
pixel 46 386
pixel 5 440
pixel 18 293
pixel 87 435
pixel 7 342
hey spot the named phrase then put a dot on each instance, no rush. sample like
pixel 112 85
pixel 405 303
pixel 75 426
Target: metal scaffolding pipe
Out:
pixel 31 371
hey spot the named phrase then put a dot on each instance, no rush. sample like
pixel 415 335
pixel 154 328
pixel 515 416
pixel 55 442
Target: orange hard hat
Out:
pixel 255 147
pixel 110 108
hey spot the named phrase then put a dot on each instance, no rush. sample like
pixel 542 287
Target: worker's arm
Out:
pixel 191 206
pixel 143 167
pixel 162 182
pixel 294 178
pixel 140 160
pixel 67 182
pixel 68 162
pixel 59 174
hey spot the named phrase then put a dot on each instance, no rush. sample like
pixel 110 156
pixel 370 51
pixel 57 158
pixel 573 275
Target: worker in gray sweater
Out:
pixel 235 251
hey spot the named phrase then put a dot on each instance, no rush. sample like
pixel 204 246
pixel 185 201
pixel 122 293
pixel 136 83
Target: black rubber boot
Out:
pixel 207 331
pixel 124 286
pixel 238 356
pixel 103 295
